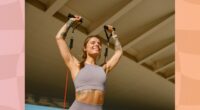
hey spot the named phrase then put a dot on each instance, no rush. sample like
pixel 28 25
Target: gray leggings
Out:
pixel 81 106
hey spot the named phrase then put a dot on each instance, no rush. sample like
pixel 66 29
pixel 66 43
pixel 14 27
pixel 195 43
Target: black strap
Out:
pixel 70 46
pixel 108 42
pixel 74 27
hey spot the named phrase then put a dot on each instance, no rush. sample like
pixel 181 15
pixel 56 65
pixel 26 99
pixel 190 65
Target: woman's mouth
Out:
pixel 96 48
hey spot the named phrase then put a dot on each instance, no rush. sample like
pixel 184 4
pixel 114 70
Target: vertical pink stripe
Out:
pixel 12 54
pixel 187 55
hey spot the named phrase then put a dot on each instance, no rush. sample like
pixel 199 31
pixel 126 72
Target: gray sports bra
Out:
pixel 90 77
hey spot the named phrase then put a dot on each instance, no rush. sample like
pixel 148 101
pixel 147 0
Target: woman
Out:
pixel 88 78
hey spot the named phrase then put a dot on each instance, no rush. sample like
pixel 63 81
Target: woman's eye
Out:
pixel 95 42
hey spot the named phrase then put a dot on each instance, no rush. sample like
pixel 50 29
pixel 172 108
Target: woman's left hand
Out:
pixel 110 28
pixel 112 31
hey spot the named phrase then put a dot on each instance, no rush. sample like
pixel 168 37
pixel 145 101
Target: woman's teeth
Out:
pixel 95 48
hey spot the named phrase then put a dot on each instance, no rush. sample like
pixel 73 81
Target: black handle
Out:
pixel 72 16
pixel 106 52
pixel 106 27
pixel 71 43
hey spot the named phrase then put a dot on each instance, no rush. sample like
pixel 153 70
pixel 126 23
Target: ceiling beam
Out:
pixel 171 45
pixel 149 32
pixel 171 77
pixel 116 16
pixel 56 6
pixel 166 66
pixel 37 4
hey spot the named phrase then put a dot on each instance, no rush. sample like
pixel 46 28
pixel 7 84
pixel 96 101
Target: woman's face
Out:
pixel 93 46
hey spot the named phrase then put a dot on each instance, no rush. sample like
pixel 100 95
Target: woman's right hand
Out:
pixel 73 21
pixel 77 18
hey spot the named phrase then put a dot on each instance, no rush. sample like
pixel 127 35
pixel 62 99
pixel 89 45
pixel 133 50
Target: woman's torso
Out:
pixel 89 84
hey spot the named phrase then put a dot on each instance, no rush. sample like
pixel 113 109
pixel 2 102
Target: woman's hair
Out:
pixel 84 55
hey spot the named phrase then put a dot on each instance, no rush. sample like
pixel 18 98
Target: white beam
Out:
pixel 164 67
pixel 56 6
pixel 149 32
pixel 157 53
pixel 116 16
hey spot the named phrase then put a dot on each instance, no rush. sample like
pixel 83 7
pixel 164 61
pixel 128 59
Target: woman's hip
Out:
pixel 83 106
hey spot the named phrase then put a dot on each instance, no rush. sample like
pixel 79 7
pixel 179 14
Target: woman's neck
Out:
pixel 90 60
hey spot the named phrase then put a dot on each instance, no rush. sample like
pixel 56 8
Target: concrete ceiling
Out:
pixel 144 78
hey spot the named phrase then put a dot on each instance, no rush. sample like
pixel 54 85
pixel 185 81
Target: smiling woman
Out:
pixel 91 43
pixel 89 78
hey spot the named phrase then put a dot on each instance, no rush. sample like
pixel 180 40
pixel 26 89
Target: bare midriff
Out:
pixel 92 96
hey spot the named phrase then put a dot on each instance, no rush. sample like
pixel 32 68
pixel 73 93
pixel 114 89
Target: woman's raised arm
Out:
pixel 112 62
pixel 69 59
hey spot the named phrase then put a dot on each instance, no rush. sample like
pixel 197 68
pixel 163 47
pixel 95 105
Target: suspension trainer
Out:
pixel 74 26
pixel 106 29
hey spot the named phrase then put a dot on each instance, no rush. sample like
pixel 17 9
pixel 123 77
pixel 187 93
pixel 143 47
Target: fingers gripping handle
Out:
pixel 72 16
pixel 106 28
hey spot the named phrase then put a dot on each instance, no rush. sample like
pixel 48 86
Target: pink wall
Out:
pixel 12 54
pixel 187 54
